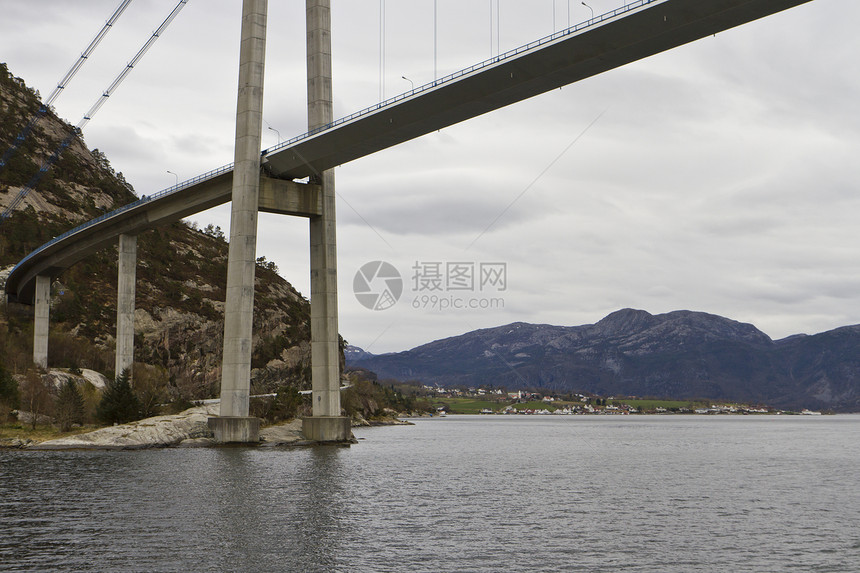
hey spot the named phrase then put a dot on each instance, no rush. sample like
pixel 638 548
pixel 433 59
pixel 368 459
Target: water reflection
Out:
pixel 278 508
pixel 473 494
pixel 321 482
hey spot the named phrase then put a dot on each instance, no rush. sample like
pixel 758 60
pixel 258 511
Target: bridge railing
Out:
pixel 345 119
pixel 465 71
pixel 144 199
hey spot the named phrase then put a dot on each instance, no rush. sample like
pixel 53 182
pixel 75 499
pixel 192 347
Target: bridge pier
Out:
pixel 127 270
pixel 41 323
pixel 326 424
pixel 234 424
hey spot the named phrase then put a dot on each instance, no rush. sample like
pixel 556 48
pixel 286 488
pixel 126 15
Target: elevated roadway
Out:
pixel 633 32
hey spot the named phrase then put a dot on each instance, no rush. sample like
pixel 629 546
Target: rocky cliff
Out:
pixel 680 354
pixel 181 272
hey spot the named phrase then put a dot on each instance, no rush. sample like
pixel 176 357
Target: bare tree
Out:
pixel 69 406
pixel 150 387
pixel 36 396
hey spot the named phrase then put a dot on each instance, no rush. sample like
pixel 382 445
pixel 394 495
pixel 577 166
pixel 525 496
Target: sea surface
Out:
pixel 460 493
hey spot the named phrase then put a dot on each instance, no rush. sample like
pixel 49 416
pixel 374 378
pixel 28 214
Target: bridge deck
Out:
pixel 625 35
pixel 636 31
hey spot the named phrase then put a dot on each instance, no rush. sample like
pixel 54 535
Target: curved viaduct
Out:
pixel 635 31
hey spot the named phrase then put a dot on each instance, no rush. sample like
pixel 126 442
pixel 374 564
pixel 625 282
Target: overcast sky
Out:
pixel 723 176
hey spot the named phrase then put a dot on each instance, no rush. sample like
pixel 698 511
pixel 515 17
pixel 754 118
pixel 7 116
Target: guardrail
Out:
pixel 340 121
pixel 465 71
pixel 145 199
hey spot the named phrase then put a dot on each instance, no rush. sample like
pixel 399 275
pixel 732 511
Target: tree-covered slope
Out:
pixel 181 272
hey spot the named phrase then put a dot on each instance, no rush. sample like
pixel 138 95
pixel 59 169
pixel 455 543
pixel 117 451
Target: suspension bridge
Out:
pixel 269 181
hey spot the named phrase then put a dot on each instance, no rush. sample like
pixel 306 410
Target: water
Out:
pixel 463 493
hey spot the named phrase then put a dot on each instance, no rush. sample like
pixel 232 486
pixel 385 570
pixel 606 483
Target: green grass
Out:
pixel 654 404
pixel 466 405
pixel 42 433
pixel 536 405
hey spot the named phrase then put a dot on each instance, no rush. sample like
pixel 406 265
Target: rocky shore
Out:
pixel 388 418
pixel 183 430
pixel 187 429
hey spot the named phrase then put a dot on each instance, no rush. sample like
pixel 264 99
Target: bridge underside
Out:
pixel 626 38
pixel 277 196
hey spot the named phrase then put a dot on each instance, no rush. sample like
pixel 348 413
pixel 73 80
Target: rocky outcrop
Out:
pixel 186 429
pixel 287 434
pixel 387 417
pixel 58 377
pixel 181 270
pixel 157 432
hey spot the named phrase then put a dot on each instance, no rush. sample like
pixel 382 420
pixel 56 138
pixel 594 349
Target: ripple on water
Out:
pixel 460 493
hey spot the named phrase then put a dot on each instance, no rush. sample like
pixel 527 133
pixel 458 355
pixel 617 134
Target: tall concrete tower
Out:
pixel 326 424
pixel 234 424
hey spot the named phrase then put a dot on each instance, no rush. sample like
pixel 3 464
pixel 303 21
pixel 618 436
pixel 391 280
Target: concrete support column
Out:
pixel 239 309
pixel 41 323
pixel 325 363
pixel 325 349
pixel 127 266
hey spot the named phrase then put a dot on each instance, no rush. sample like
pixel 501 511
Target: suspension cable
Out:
pixel 109 91
pixel 381 50
pixel 86 54
pixel 61 85
pixel 89 115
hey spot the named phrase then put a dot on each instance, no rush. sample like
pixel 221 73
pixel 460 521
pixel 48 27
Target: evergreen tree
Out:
pixel 10 397
pixel 70 406
pixel 118 404
pixel 9 394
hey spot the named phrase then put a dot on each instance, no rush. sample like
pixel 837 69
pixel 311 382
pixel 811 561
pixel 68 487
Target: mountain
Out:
pixel 680 354
pixel 352 353
pixel 181 273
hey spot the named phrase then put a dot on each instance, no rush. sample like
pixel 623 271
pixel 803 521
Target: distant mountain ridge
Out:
pixel 679 354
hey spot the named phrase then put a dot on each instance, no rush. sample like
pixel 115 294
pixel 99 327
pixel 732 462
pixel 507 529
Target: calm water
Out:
pixel 682 493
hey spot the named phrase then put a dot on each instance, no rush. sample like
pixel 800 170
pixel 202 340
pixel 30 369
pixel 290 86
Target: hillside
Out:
pixel 181 274
pixel 680 354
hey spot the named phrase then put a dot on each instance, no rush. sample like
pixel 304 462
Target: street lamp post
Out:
pixel 590 8
pixel 277 132
pixel 410 82
pixel 175 176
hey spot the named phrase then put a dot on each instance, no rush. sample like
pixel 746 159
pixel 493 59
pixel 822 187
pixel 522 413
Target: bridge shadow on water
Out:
pixel 221 509
pixel 278 512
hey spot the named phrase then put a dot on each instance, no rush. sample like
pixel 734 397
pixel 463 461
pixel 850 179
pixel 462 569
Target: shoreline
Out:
pixel 188 429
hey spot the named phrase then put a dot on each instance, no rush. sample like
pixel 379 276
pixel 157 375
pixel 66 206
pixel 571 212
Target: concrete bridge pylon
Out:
pixel 234 425
pixel 127 267
pixel 326 424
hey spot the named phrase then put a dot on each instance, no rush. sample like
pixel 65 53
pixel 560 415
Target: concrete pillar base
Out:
pixel 327 428
pixel 235 429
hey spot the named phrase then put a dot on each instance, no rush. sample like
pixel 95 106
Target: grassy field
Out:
pixel 40 434
pixel 654 404
pixel 536 405
pixel 466 405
